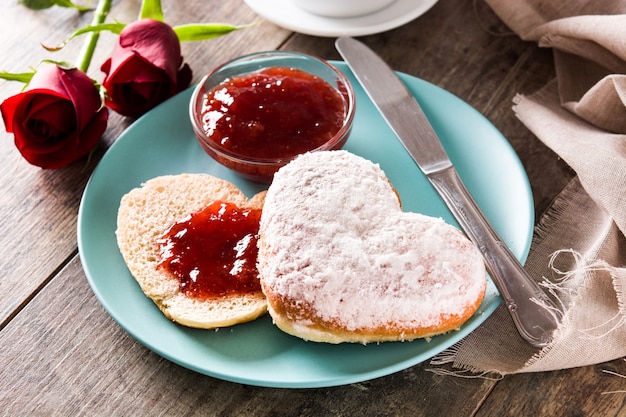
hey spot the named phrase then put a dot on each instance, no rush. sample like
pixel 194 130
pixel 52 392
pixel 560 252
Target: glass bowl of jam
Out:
pixel 256 113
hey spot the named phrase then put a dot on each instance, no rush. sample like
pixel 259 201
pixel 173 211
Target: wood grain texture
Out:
pixel 60 352
pixel 63 355
pixel 579 392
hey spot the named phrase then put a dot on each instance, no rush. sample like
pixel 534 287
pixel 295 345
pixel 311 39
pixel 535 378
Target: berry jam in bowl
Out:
pixel 256 113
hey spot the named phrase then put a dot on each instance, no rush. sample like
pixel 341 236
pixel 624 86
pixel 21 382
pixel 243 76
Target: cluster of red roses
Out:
pixel 60 116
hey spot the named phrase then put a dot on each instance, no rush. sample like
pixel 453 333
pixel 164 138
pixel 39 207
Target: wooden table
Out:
pixel 62 354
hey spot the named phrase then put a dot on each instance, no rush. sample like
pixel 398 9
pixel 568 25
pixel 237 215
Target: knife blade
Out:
pixel 535 315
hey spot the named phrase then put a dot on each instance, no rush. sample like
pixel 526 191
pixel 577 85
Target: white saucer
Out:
pixel 284 13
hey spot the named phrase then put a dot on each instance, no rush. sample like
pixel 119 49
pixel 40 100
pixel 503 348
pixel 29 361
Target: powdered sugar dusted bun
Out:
pixel 340 262
pixel 145 213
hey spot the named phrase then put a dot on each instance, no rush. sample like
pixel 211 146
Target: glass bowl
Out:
pixel 255 161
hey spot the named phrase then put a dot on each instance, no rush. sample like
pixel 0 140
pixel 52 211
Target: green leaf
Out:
pixel 68 3
pixel 115 28
pixel 37 4
pixel 203 31
pixel 61 64
pixel 46 4
pixel 151 9
pixel 23 77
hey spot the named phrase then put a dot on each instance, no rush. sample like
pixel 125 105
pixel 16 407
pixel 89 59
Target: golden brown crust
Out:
pixel 286 317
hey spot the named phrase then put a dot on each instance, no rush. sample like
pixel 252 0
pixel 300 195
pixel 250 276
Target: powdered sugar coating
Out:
pixel 335 241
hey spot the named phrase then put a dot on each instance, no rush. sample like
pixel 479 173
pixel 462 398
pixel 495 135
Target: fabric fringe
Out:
pixel 468 373
pixel 448 357
pixel 571 281
pixel 622 391
pixel 550 219
pixel 566 283
pixel 587 281
pixel 564 288
pixel 613 324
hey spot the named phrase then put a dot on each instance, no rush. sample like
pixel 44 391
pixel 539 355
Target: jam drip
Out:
pixel 213 252
pixel 276 112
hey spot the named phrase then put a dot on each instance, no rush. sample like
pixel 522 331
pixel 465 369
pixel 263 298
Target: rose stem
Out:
pixel 100 14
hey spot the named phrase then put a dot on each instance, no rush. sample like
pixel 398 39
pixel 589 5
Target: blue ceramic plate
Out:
pixel 162 142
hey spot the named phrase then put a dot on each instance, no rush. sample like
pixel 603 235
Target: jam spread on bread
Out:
pixel 213 251
pixel 275 112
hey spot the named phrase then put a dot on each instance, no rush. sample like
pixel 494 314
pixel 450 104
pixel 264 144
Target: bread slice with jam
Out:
pixel 144 217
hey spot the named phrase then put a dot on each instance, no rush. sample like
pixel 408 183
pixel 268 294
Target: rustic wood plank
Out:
pixel 39 207
pixel 582 392
pixel 63 355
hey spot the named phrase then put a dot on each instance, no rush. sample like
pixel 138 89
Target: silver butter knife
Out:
pixel 535 315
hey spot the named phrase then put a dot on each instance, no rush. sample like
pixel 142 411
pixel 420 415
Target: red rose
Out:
pixel 146 68
pixel 58 119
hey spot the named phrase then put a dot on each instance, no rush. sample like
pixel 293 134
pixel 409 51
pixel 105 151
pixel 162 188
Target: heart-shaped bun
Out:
pixel 145 213
pixel 340 261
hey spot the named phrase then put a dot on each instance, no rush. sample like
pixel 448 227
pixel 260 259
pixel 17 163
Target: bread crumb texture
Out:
pixel 145 213
pixel 341 262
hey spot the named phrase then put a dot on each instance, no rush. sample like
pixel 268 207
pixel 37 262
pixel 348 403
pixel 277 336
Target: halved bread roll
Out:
pixel 145 213
pixel 340 262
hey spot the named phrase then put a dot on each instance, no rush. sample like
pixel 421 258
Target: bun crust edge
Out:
pixel 145 213
pixel 323 272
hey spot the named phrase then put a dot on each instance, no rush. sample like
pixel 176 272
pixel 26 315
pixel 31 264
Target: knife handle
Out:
pixel 534 314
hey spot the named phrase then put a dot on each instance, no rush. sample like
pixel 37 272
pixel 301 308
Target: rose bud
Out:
pixel 146 68
pixel 58 119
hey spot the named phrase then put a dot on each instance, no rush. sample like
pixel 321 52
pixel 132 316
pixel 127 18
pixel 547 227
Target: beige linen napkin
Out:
pixel 579 249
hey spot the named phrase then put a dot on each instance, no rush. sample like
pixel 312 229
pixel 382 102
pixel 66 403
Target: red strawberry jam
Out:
pixel 213 251
pixel 275 112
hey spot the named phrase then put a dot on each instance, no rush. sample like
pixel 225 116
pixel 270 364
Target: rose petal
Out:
pixel 146 68
pixel 82 92
pixel 156 42
pixel 57 119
